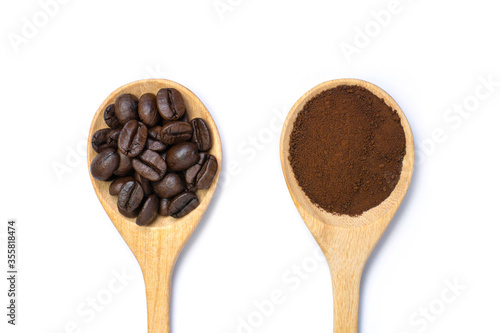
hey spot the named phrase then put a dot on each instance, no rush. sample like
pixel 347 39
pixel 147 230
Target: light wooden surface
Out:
pixel 157 246
pixel 346 241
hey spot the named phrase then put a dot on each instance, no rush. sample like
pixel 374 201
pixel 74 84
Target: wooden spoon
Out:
pixel 346 241
pixel 157 246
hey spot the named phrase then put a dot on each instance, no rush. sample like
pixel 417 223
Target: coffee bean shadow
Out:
pixel 397 222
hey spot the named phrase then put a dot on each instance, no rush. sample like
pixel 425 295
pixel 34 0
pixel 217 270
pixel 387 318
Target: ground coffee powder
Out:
pixel 346 150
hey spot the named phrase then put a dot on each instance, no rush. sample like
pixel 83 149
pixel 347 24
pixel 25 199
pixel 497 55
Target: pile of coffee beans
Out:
pixel 155 158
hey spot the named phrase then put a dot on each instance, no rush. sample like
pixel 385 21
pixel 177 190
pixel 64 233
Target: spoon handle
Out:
pixel 346 251
pixel 346 285
pixel 156 251
pixel 158 277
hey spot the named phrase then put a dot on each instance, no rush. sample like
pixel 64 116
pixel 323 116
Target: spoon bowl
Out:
pixel 157 246
pixel 346 241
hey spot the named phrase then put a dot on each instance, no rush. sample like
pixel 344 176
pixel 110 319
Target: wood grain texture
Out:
pixel 346 241
pixel 158 245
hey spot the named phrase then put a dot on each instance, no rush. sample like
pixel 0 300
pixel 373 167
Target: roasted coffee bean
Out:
pixel 170 104
pixel 155 157
pixel 150 165
pixel 105 164
pixel 155 145
pixel 130 197
pixel 131 214
pixel 163 155
pixel 113 137
pixel 175 132
pixel 148 111
pixel 201 134
pixel 182 156
pixel 145 184
pixel 192 172
pixel 133 138
pixel 164 203
pixel 149 211
pixel 126 108
pixel 169 186
pixel 155 132
pixel 183 204
pixel 110 117
pixel 117 184
pixel 100 140
pixel 207 173
pixel 125 166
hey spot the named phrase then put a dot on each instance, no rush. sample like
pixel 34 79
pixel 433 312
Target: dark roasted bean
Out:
pixel 170 104
pixel 113 137
pixel 126 108
pixel 175 132
pixel 133 138
pixel 164 203
pixel 183 204
pixel 163 155
pixel 148 110
pixel 125 166
pixel 155 145
pixel 149 211
pixel 207 173
pixel 192 172
pixel 150 165
pixel 169 186
pixel 130 197
pixel 100 140
pixel 155 157
pixel 182 156
pixel 110 117
pixel 145 184
pixel 117 184
pixel 105 164
pixel 155 132
pixel 201 134
pixel 131 214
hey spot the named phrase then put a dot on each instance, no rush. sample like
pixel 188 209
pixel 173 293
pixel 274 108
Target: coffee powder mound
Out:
pixel 346 150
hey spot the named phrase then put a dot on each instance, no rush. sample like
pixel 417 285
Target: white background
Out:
pixel 248 64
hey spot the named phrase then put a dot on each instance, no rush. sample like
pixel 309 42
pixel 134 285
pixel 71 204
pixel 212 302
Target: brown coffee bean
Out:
pixel 191 173
pixel 145 184
pixel 131 214
pixel 164 203
pixel 105 164
pixel 155 133
pixel 130 197
pixel 126 108
pixel 182 156
pixel 175 132
pixel 148 111
pixel 117 184
pixel 183 204
pixel 100 140
pixel 133 138
pixel 170 104
pixel 207 173
pixel 155 145
pixel 150 165
pixel 163 155
pixel 201 134
pixel 149 211
pixel 110 117
pixel 169 186
pixel 113 137
pixel 125 166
